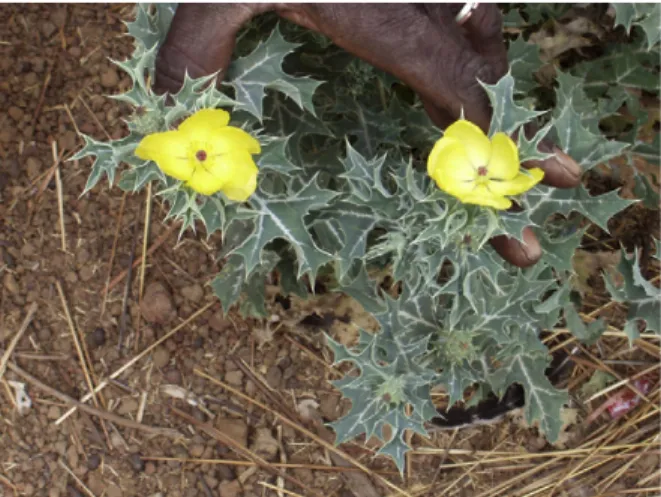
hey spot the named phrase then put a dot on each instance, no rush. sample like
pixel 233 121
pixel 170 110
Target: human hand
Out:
pixel 422 45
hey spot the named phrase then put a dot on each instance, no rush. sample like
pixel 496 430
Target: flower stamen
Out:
pixel 482 171
pixel 201 155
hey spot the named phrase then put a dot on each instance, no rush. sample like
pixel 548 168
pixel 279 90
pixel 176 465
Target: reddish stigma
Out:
pixel 481 171
pixel 201 155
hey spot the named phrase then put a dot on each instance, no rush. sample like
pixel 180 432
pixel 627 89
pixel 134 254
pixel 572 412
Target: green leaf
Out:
pixel 558 252
pixel 581 144
pixel 254 290
pixel 587 334
pixel 274 156
pixel 364 290
pixel 543 201
pixel 507 115
pixel 646 192
pixel 372 129
pixel 213 215
pixel 643 297
pixel 135 179
pixel 524 63
pixel 647 16
pixel 108 156
pixel 252 75
pixel 283 217
pixel 543 401
pixel 388 381
pixel 227 285
pixel 418 130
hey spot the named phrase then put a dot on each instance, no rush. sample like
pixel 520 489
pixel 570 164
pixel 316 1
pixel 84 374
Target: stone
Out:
pixel 274 377
pixel 194 293
pixel 33 167
pixel 86 273
pixel 229 489
pixel 136 462
pixel 48 28
pixel 10 284
pixel 264 444
pixel 16 113
pixel 109 78
pixel 113 491
pixel 196 450
pixel 234 428
pixel 28 250
pixel 161 357
pixel 54 412
pixel 97 338
pixel 217 322
pixel 234 378
pixel 93 461
pixel 128 406
pixel 157 306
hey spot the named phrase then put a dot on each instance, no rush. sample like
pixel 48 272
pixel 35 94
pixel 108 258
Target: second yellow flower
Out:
pixel 476 170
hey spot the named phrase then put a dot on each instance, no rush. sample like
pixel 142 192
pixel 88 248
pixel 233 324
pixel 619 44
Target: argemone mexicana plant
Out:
pixel 345 176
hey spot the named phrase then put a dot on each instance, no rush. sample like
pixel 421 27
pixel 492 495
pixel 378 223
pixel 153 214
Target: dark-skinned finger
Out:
pixel 560 170
pixel 440 117
pixel 519 254
pixel 201 41
pixel 437 62
pixel 484 29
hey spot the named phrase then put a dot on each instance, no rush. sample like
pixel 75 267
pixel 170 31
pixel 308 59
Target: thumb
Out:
pixel 201 41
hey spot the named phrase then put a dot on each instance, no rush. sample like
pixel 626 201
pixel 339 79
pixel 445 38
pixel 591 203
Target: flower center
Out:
pixel 481 171
pixel 201 155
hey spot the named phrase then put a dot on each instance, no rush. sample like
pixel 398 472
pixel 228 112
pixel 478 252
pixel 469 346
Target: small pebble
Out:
pixel 54 412
pixel 194 293
pixel 114 491
pixel 33 167
pixel 93 461
pixel 173 376
pixel 136 462
pixel 16 113
pixel 97 338
pixel 198 342
pixel 109 78
pixel 196 450
pixel 73 492
pixel 161 357
pixel 10 283
pixel 150 468
pixel 234 378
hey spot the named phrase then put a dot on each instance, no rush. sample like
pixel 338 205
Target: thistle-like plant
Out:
pixel 344 185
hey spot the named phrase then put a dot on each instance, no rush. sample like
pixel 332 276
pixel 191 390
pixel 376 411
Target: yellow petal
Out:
pixel 170 151
pixel 205 182
pixel 521 183
pixel 482 196
pixel 476 142
pixel 504 161
pixel 451 168
pixel 234 173
pixel 436 152
pixel 230 139
pixel 203 123
pixel 243 179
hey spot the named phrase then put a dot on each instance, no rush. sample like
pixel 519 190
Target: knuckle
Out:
pixel 489 21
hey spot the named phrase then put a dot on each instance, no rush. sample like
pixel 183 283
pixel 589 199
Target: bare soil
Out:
pixel 54 73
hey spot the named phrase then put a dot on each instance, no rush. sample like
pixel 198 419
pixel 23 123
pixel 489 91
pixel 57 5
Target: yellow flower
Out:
pixel 207 154
pixel 476 170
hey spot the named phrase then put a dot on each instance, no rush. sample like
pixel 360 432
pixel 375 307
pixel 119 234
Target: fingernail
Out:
pixel 568 164
pixel 530 248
